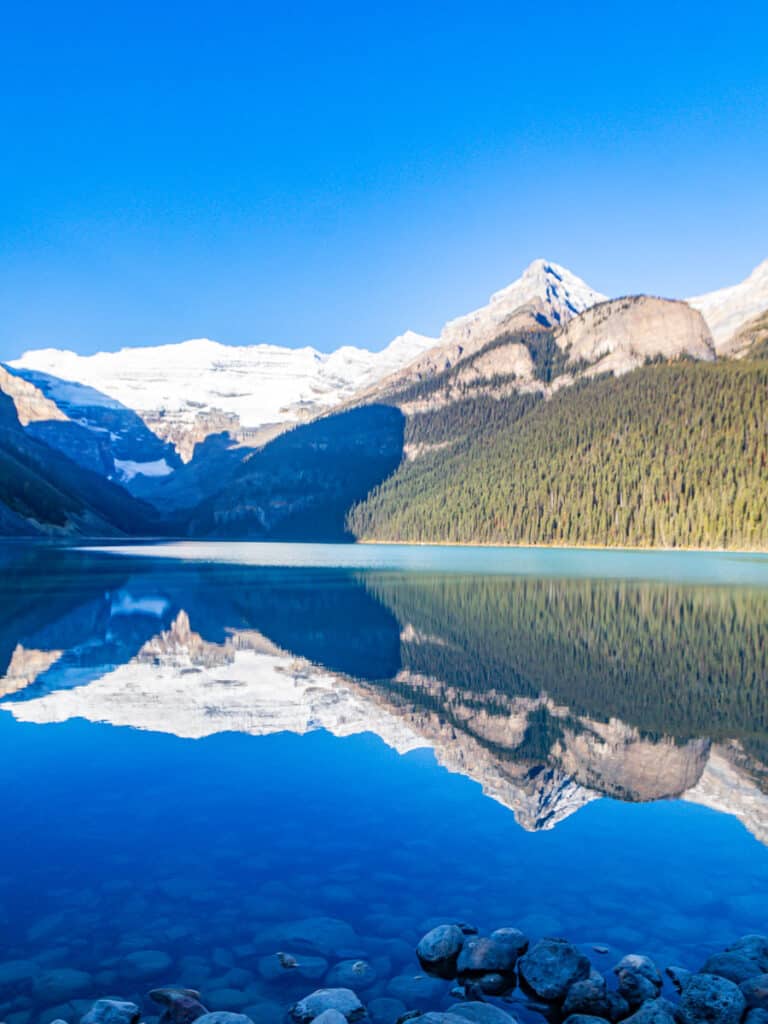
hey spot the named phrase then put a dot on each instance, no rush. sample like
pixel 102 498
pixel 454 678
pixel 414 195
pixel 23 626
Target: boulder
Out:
pixel 753 946
pixel 550 967
pixel 342 999
pixel 735 965
pixel 481 955
pixel 180 1005
pixel 654 1011
pixel 330 1017
pixel 588 996
pixel 482 1013
pixel 638 979
pixel 233 999
pixel 112 1011
pixel 439 949
pixel 584 1018
pixel 280 966
pixel 224 1017
pixel 512 937
pixel 710 999
pixel 755 991
pixel 415 990
pixel 756 1016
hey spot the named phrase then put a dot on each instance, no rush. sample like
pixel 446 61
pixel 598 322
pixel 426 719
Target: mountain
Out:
pixel 188 391
pixel 545 295
pixel 727 310
pixel 42 492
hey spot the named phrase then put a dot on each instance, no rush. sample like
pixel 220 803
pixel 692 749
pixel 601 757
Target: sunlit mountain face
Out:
pixel 549 693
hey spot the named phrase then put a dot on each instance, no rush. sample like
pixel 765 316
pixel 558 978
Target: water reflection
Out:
pixel 548 692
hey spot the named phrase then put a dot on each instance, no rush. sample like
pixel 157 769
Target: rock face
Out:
pixel 31 404
pixel 551 967
pixel 727 310
pixel 620 335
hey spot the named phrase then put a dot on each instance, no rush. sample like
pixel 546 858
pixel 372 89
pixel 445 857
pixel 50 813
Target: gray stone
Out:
pixel 342 999
pixel 709 999
pixel 439 949
pixel 385 1010
pixel 512 937
pixel 357 974
pixel 654 1011
pixel 755 992
pixel 753 946
pixel 330 1017
pixel 639 979
pixel 482 1013
pixel 589 996
pixel 180 1005
pixel 112 1011
pixel 551 967
pixel 481 955
pixel 736 966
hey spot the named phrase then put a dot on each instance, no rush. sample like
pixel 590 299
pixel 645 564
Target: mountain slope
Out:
pixel 669 455
pixel 727 310
pixel 188 391
pixel 44 493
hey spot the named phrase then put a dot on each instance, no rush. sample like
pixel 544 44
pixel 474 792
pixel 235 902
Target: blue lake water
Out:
pixel 212 753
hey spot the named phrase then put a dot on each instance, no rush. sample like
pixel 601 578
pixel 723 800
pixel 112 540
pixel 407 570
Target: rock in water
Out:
pixel 482 1013
pixel 679 976
pixel 589 997
pixel 224 1017
pixel 112 1011
pixel 61 985
pixel 342 999
pixel 654 1011
pixel 551 967
pixel 639 979
pixel 180 1005
pixel 439 949
pixel 736 965
pixel 351 972
pixel 709 999
pixel 755 991
pixel 330 1017
pixel 755 947
pixel 145 963
pixel 584 1018
pixel 485 956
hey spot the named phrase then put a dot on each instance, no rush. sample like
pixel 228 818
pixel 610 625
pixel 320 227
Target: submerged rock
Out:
pixel 386 1010
pixel 638 978
pixel 512 937
pixel 145 963
pixel 481 955
pixel 710 999
pixel 284 965
pixel 223 1017
pixel 589 996
pixel 61 985
pixel 679 977
pixel 753 946
pixel 112 1011
pixel 331 1017
pixel 325 936
pixel 482 1013
pixel 550 968
pixel 654 1011
pixel 439 949
pixel 349 973
pixel 344 1000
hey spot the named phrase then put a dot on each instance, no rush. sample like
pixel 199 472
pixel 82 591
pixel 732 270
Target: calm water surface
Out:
pixel 212 753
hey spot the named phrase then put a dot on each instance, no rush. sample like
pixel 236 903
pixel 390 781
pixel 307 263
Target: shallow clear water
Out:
pixel 208 747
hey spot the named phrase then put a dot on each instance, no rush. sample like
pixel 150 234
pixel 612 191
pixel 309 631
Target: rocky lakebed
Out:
pixel 318 971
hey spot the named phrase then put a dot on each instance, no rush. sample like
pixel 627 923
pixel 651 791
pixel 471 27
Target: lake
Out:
pixel 213 753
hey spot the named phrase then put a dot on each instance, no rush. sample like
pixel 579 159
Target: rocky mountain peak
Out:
pixel 727 310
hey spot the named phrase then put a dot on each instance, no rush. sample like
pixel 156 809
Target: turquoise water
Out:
pixel 218 752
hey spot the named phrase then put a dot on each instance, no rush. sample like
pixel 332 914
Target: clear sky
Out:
pixel 336 173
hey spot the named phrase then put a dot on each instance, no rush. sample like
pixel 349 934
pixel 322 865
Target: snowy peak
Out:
pixel 727 310
pixel 545 293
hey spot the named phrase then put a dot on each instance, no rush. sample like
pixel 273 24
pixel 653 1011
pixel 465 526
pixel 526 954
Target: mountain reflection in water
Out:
pixel 550 692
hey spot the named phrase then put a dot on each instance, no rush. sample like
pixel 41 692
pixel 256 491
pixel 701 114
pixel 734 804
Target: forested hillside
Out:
pixel 668 455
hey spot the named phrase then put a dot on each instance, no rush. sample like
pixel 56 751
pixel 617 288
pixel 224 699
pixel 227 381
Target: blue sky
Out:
pixel 335 173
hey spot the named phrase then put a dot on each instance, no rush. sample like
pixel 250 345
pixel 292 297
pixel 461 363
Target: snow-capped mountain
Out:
pixel 729 309
pixel 198 387
pixel 545 292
